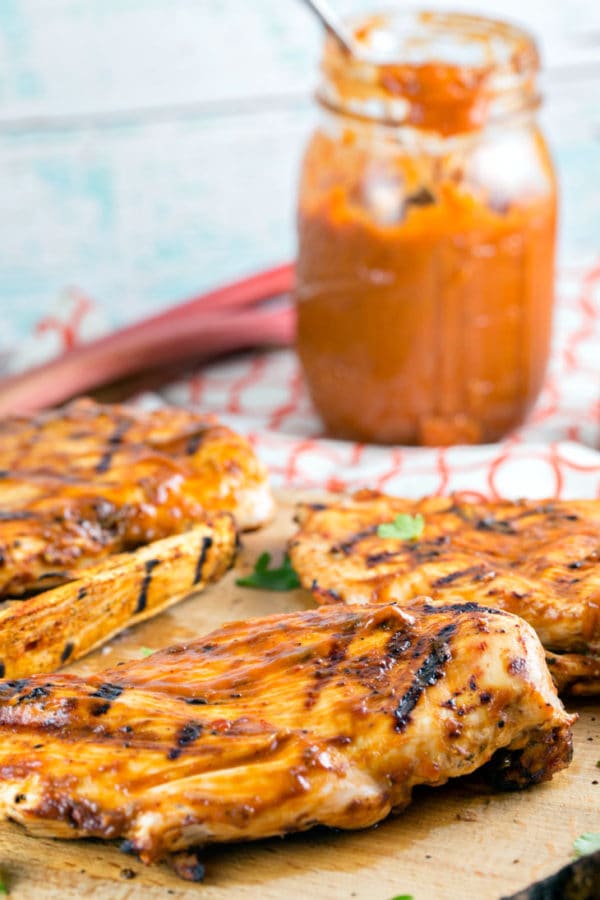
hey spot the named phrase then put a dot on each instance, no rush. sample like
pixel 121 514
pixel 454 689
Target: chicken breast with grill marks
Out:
pixel 538 559
pixel 86 481
pixel 43 633
pixel 329 716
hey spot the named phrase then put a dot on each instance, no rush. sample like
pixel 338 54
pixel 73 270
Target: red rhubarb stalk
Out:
pixel 221 321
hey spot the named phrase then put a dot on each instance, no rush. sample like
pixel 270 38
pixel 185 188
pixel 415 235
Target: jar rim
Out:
pixel 428 24
pixel 439 71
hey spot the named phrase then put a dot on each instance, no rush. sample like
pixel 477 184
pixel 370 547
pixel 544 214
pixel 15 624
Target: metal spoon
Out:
pixel 332 23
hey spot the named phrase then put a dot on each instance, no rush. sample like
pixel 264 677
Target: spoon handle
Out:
pixel 332 22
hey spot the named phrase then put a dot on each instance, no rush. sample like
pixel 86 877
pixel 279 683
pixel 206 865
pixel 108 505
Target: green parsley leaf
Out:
pixel 3 888
pixel 587 843
pixel 402 897
pixel 404 527
pixel 146 651
pixel 282 579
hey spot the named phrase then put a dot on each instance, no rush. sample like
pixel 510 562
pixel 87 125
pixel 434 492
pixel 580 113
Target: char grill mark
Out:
pixel 502 526
pixel 67 650
pixel 590 561
pixel 115 439
pixel 108 691
pixel 189 733
pixel 37 693
pixel 207 543
pixel 56 576
pixel 421 197
pixel 150 565
pixel 477 573
pixel 328 668
pixel 194 441
pixel 374 559
pixel 471 606
pixel 398 644
pixel 9 515
pixel 431 670
pixel 9 689
pixel 347 546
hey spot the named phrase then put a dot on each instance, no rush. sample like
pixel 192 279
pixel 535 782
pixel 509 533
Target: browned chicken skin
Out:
pixel 538 559
pixel 274 725
pixel 86 481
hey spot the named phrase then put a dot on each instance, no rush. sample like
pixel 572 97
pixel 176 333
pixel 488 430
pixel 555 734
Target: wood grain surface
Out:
pixel 453 843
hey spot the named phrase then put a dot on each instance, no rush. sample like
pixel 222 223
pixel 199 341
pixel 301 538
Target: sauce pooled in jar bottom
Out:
pixel 435 330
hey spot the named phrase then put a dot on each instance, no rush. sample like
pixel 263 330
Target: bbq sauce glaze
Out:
pixel 427 218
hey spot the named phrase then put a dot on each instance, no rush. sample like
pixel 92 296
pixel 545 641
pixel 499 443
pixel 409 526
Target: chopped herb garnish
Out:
pixel 402 897
pixel 146 651
pixel 282 579
pixel 404 527
pixel 587 843
pixel 3 888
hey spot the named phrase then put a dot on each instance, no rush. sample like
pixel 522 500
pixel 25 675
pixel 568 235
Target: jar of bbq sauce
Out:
pixel 426 223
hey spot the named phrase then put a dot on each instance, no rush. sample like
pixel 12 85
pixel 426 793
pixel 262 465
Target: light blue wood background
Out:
pixel 149 148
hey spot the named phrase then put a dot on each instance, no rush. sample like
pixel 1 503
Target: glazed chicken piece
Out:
pixel 53 628
pixel 86 481
pixel 538 559
pixel 328 716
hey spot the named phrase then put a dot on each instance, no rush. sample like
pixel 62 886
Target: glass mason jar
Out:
pixel 426 220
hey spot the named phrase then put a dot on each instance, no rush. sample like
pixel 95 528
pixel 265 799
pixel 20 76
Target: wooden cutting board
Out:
pixel 453 843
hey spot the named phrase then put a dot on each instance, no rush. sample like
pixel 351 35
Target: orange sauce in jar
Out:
pixel 427 220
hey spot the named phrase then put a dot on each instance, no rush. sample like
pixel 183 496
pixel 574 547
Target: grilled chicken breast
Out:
pixel 85 481
pixel 540 560
pixel 45 632
pixel 274 725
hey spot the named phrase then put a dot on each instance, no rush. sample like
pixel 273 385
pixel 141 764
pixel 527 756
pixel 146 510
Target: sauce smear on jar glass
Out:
pixel 427 218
